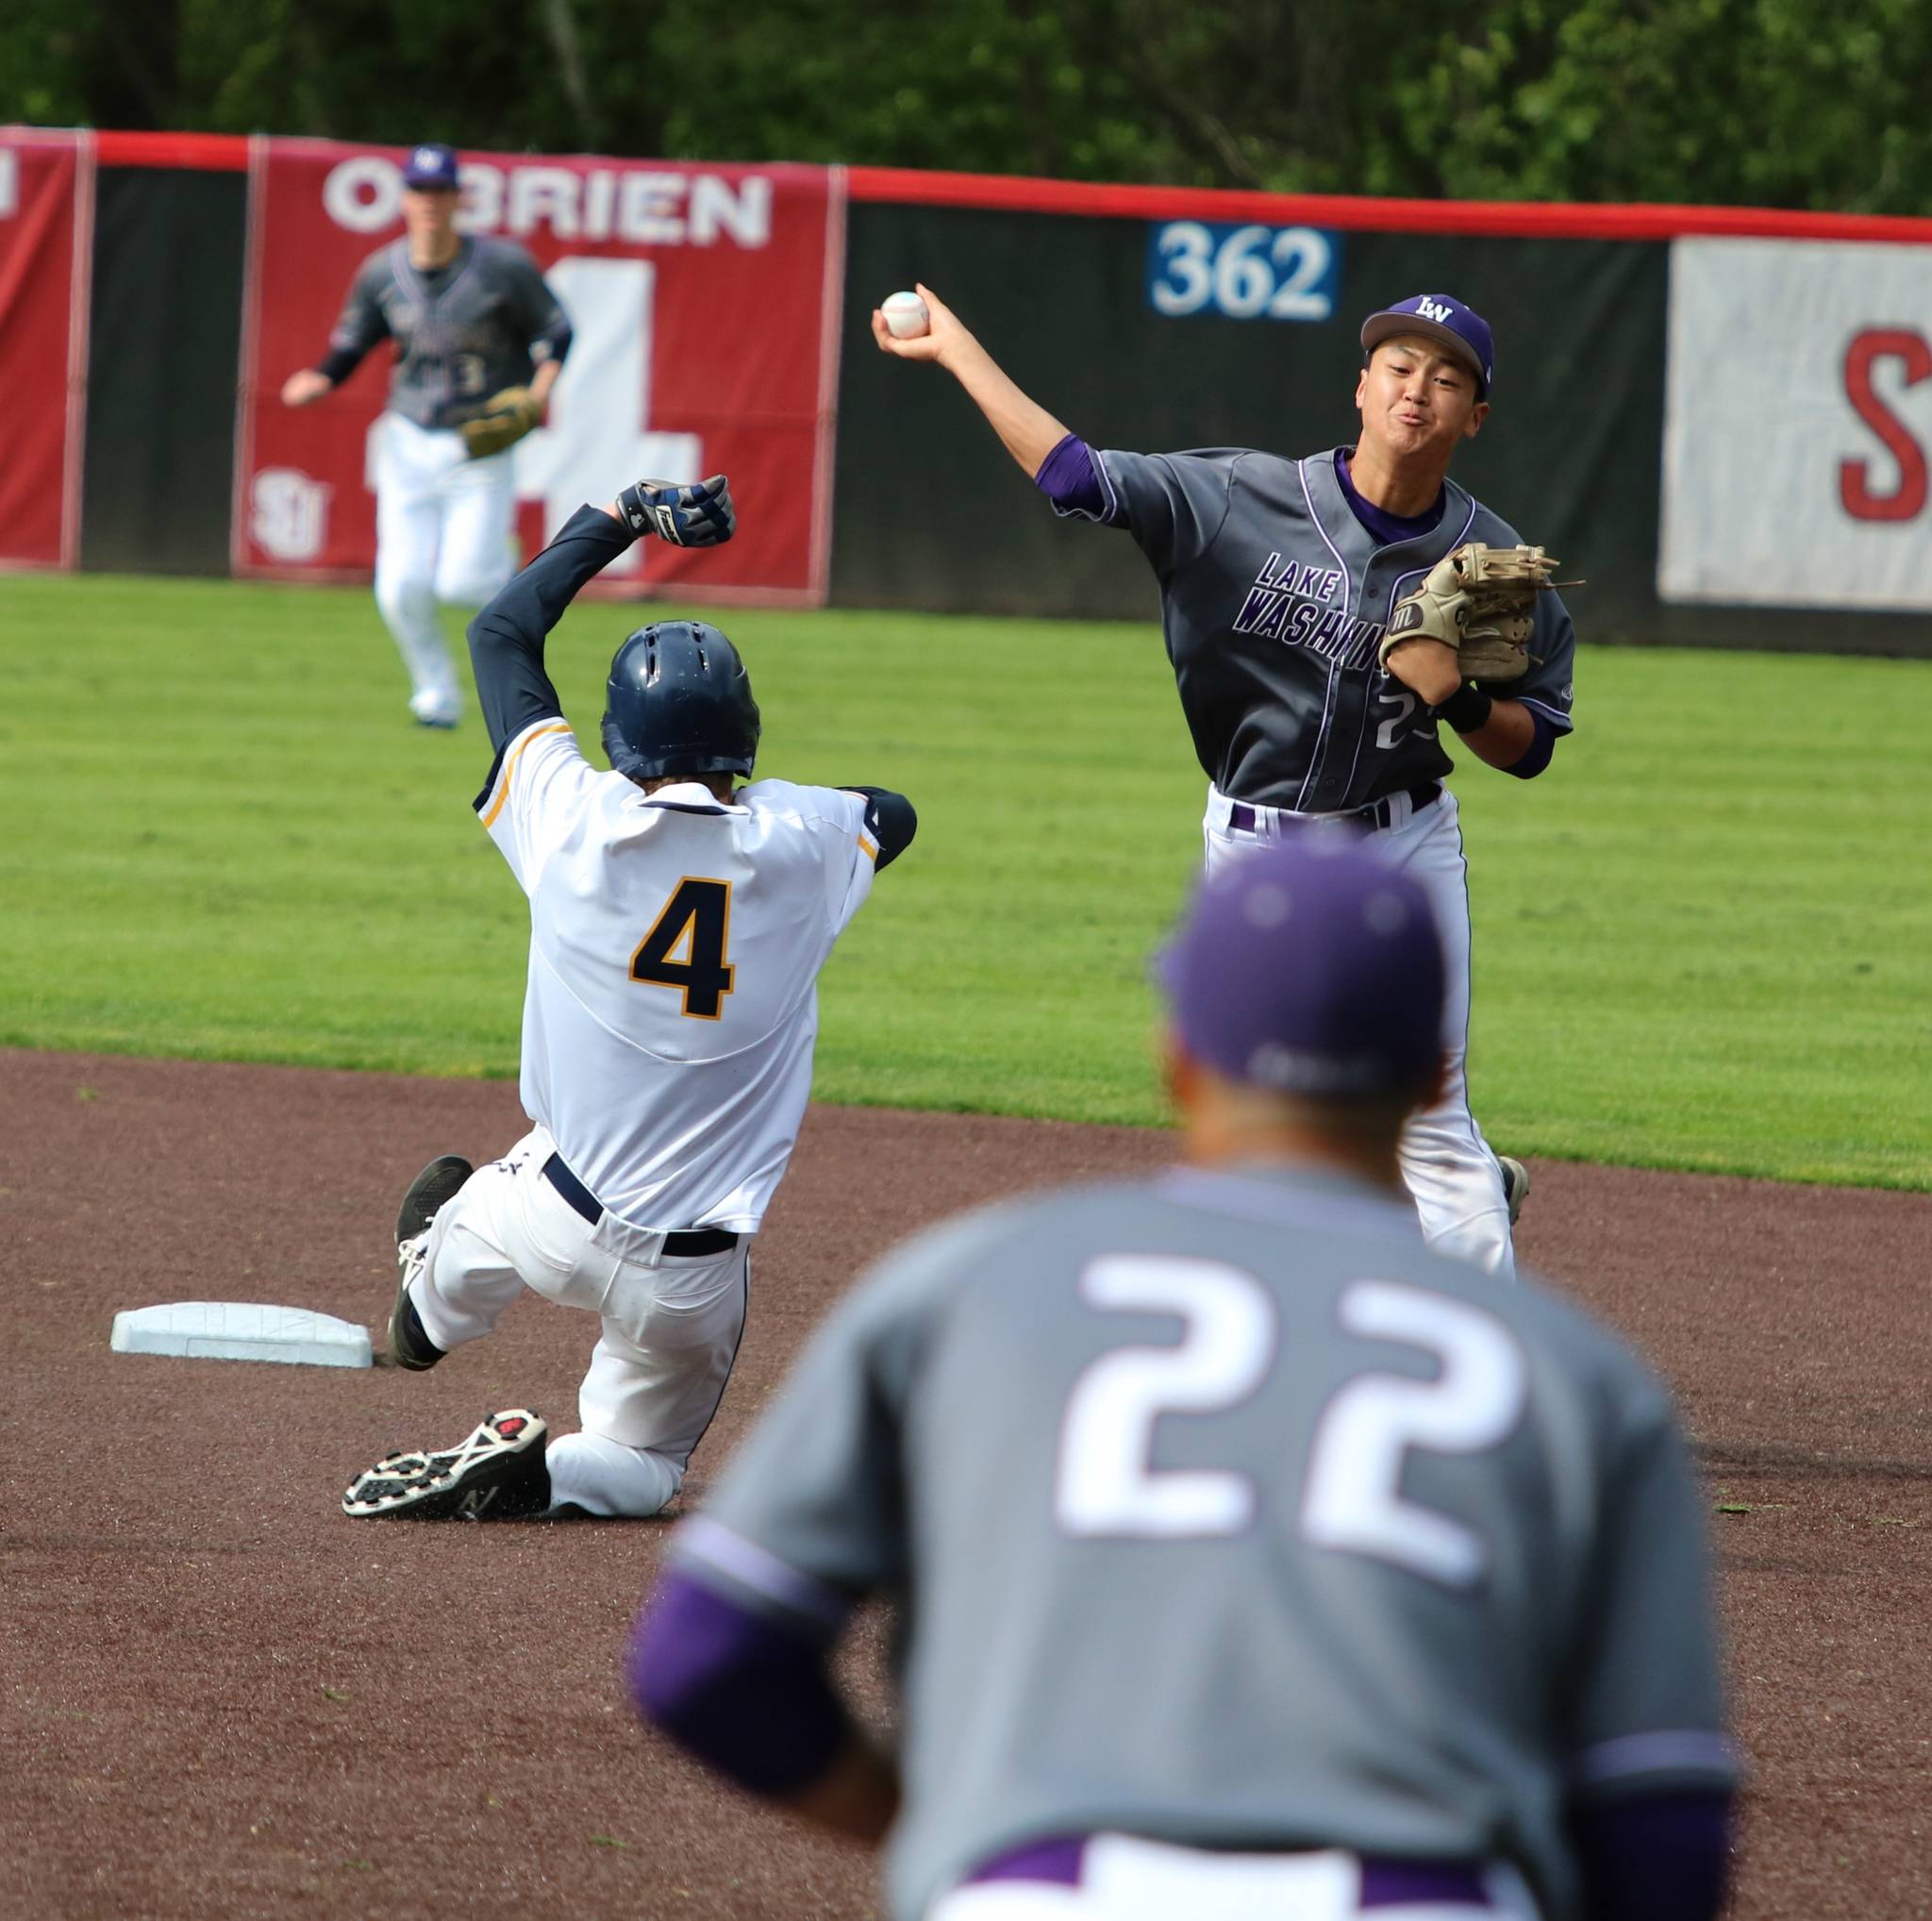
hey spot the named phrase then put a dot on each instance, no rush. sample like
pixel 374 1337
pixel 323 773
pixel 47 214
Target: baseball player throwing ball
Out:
pixel 1257 1560
pixel 480 340
pixel 1331 620
pixel 677 925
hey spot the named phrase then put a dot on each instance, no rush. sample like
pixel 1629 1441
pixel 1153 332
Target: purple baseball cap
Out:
pixel 1312 968
pixel 431 168
pixel 1439 317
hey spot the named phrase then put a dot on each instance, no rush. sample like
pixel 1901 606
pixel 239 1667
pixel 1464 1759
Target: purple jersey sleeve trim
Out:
pixel 710 1543
pixel 1071 477
pixel 1666 1750
pixel 1662 1857
pixel 1559 720
pixel 743 1692
pixel 1534 757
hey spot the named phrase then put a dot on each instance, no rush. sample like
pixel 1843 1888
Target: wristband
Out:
pixel 635 511
pixel 1466 710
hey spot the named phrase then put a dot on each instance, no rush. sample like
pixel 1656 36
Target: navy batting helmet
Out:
pixel 679 702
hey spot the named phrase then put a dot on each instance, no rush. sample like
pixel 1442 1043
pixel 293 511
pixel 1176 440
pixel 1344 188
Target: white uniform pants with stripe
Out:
pixel 1125 1879
pixel 1447 1165
pixel 445 534
pixel 671 1325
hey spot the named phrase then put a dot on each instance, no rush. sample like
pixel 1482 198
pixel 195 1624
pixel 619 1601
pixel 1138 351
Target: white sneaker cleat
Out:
pixel 498 1473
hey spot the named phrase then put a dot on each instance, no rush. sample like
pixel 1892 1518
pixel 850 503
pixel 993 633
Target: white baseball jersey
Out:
pixel 675 945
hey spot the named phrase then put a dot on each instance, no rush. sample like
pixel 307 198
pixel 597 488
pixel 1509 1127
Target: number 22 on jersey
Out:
pixel 1350 1497
pixel 686 947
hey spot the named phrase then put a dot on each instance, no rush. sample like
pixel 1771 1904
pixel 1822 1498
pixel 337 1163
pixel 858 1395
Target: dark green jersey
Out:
pixel 1224 1511
pixel 463 332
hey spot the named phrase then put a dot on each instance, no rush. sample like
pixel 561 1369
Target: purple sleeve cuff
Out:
pixel 1069 477
pixel 1657 1857
pixel 1534 757
pixel 741 1690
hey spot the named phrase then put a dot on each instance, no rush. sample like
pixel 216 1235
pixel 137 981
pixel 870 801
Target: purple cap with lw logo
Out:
pixel 431 168
pixel 1438 317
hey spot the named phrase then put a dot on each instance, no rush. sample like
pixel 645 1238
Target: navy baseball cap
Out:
pixel 1311 968
pixel 1439 317
pixel 431 167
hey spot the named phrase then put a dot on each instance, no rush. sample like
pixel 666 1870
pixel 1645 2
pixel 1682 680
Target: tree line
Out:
pixel 1814 104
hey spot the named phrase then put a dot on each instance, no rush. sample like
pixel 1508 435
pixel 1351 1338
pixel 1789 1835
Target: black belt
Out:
pixel 696 1241
pixel 1242 817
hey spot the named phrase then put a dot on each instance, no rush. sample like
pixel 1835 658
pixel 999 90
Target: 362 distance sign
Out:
pixel 1243 273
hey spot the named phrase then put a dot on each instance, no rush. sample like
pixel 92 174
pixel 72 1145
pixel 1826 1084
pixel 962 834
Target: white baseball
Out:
pixel 906 316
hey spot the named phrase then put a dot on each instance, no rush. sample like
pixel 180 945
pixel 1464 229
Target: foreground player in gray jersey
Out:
pixel 1278 580
pixel 1253 1558
pixel 472 320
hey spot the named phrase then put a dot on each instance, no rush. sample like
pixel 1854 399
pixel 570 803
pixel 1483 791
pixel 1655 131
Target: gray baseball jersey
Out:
pixel 463 332
pixel 1274 599
pixel 1224 1512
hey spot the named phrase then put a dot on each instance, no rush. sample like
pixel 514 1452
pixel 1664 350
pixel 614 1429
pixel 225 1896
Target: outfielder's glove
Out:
pixel 504 419
pixel 688 516
pixel 1482 602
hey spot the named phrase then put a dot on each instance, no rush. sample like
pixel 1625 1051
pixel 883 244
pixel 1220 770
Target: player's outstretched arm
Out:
pixel 891 819
pixel 507 637
pixel 363 323
pixel 1026 429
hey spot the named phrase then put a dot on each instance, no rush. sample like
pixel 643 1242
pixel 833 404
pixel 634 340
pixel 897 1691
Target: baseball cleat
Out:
pixel 430 1192
pixel 498 1473
pixel 433 1189
pixel 1515 1185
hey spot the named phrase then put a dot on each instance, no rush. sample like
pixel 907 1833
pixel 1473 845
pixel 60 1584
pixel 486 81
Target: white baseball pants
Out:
pixel 671 1325
pixel 1123 1878
pixel 1447 1165
pixel 444 535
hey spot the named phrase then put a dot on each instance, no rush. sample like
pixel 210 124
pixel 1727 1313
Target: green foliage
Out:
pixel 1798 103
pixel 1700 941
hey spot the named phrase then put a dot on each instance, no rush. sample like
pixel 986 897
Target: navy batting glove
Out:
pixel 697 516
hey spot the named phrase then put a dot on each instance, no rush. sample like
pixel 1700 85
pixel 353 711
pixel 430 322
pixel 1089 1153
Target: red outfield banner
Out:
pixel 705 302
pixel 46 218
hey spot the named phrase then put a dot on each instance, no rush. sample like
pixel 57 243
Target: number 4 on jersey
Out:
pixel 684 949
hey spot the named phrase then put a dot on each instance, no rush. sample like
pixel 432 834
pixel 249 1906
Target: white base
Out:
pixel 242 1331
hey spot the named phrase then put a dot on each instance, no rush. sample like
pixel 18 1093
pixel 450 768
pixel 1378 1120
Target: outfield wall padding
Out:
pixel 931 513
pixel 928 513
pixel 165 346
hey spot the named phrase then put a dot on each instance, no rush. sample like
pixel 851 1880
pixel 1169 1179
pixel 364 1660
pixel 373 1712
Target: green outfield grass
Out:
pixel 1704 939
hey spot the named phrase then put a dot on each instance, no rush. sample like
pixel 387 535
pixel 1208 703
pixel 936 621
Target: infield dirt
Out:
pixel 221 1698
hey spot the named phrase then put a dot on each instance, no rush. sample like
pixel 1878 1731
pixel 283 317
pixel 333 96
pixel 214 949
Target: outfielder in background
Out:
pixel 1280 581
pixel 480 340
pixel 678 927
pixel 1254 1559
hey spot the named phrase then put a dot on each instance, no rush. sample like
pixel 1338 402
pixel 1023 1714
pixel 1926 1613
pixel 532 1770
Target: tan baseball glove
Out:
pixel 504 419
pixel 1481 601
